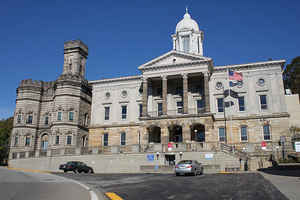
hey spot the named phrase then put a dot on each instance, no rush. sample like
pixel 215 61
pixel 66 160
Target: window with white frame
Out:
pixel 263 102
pixel 241 101
pixel 267 133
pixel 159 109
pixel 222 134
pixel 106 113
pixel 71 116
pixel 105 139
pixel 124 112
pixel 16 142
pixel 123 138
pixel 59 116
pixel 220 104
pixel 69 139
pixel 244 134
pixel 200 105
pixel 27 140
pixel 57 140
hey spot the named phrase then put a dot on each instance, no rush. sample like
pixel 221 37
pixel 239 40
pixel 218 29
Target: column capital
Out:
pixel 184 75
pixel 144 79
pixel 164 77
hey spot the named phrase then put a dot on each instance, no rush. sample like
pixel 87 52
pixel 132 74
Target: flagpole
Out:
pixel 230 105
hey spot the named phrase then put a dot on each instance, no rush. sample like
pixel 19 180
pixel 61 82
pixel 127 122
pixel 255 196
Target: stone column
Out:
pixel 145 97
pixel 206 92
pixel 164 94
pixel 185 94
pixel 186 133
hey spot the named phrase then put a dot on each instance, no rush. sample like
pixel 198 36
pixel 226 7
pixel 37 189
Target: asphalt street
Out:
pixel 248 186
pixel 17 185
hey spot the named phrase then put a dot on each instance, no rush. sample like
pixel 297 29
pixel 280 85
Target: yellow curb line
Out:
pixel 113 196
pixel 29 170
pixel 223 172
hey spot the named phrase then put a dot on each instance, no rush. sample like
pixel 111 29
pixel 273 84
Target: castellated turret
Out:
pixel 50 116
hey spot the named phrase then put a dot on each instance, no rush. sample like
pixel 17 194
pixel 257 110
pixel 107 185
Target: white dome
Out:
pixel 187 23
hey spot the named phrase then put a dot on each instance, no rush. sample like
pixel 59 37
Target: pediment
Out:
pixel 173 58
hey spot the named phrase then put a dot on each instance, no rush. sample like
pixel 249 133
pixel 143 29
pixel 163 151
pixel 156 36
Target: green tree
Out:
pixel 5 131
pixel 291 76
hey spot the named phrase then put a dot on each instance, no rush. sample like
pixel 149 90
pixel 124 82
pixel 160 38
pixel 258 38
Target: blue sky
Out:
pixel 121 35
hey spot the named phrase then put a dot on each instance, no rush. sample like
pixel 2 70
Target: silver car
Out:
pixel 188 167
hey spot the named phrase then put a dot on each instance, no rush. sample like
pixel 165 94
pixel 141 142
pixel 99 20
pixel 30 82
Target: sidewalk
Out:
pixel 285 180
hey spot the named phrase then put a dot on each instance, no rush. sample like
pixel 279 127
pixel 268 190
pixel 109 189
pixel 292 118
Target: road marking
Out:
pixel 29 170
pixel 113 196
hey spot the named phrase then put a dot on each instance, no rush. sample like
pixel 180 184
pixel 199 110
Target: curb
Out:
pixel 92 193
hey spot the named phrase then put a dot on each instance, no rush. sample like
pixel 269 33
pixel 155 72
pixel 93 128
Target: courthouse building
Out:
pixel 179 100
pixel 181 97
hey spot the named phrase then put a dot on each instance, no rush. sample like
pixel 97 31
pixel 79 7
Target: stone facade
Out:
pixel 51 115
pixel 181 97
pixel 180 102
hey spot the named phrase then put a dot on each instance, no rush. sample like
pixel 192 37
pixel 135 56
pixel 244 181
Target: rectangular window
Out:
pixel 124 112
pixel 244 135
pixel 106 113
pixel 241 103
pixel 159 109
pixel 179 107
pixel 159 92
pixel 46 120
pixel 59 116
pixel 27 141
pixel 263 102
pixel 57 139
pixel 222 135
pixel 19 119
pixel 186 43
pixel 71 116
pixel 267 134
pixel 123 138
pixel 220 102
pixel 69 139
pixel 29 119
pixel 200 105
pixel 141 110
pixel 105 139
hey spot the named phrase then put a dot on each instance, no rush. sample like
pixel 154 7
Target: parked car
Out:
pixel 76 166
pixel 188 167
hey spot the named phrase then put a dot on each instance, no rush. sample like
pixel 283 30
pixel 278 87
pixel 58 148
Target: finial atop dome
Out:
pixel 187 23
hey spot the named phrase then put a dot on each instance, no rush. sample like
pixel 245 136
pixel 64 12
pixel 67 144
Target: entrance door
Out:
pixel 170 159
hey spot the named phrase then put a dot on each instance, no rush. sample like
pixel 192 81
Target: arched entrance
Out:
pixel 44 142
pixel 198 132
pixel 175 133
pixel 154 134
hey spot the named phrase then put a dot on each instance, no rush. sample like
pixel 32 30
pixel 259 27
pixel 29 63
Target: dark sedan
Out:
pixel 76 166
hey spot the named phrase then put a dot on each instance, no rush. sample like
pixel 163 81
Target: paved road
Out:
pixel 17 185
pixel 250 186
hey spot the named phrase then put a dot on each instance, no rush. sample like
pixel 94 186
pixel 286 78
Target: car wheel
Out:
pixel 65 171
pixel 176 174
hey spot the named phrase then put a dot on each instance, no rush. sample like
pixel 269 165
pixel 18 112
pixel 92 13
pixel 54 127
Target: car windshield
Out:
pixel 185 162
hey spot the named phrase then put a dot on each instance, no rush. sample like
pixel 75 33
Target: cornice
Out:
pixel 177 116
pixel 249 65
pixel 268 116
pixel 114 125
pixel 110 80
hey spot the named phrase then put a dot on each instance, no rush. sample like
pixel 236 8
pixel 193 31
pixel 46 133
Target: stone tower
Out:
pixel 51 116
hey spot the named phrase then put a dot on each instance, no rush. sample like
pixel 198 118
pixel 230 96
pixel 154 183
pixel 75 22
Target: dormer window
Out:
pixel 186 43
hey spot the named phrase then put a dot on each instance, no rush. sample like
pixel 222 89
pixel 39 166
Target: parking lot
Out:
pixel 168 186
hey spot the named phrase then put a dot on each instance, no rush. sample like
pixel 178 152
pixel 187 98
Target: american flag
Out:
pixel 235 75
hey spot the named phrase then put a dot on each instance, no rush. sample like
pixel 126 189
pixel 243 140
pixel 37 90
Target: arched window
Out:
pixel 267 133
pixel 44 142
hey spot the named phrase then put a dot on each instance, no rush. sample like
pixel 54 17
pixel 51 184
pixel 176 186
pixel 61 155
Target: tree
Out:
pixel 5 131
pixel 291 76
